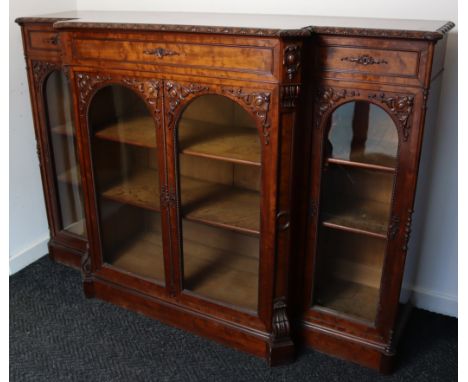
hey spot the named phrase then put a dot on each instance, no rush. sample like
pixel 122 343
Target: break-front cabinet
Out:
pixel 252 185
pixel 56 143
pixel 369 104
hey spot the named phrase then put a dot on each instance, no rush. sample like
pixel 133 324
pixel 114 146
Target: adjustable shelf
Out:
pixel 64 129
pixel 140 131
pixel 234 144
pixel 357 164
pixel 210 203
pixel 366 217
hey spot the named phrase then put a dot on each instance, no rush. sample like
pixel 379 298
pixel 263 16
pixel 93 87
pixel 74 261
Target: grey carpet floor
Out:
pixel 58 335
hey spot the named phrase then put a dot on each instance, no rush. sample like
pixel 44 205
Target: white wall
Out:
pixel 28 222
pixel 436 279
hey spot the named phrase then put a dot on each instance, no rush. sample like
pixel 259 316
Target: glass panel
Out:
pixel 219 185
pixel 127 182
pixel 365 133
pixel 62 137
pixel 356 196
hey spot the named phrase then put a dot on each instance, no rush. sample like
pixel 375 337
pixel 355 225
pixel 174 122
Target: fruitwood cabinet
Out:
pixel 254 185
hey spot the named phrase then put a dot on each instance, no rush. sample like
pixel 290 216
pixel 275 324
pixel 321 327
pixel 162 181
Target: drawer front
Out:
pixel 372 61
pixel 211 56
pixel 43 40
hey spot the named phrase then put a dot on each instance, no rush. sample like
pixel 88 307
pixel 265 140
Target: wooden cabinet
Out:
pixel 252 185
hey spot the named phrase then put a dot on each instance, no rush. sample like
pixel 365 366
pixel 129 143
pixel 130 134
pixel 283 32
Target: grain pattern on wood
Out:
pixel 140 131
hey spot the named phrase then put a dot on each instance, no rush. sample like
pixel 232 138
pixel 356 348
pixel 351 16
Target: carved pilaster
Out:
pixel 327 98
pixel 258 103
pixel 290 95
pixel 176 93
pixel 86 83
pixel 292 60
pixel 401 106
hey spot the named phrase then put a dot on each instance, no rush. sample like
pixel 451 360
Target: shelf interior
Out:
pixel 77 228
pixel 139 130
pixel 357 198
pixel 348 273
pixel 217 141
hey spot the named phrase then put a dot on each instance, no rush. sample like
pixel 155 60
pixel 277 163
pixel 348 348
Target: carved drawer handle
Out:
pixel 51 40
pixel 285 226
pixel 365 60
pixel 160 52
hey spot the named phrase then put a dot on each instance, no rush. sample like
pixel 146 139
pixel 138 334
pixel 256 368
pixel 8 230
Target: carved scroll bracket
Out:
pixel 258 103
pixel 281 326
pixel 401 106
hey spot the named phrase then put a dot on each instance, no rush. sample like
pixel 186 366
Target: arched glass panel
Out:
pixel 126 178
pixel 219 185
pixel 62 138
pixel 356 196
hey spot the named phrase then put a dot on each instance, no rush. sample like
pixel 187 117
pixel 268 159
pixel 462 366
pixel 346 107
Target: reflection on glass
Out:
pixel 62 136
pixel 363 132
pixel 127 182
pixel 219 186
pixel 355 210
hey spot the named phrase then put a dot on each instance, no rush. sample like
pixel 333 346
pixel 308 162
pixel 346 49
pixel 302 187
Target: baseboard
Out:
pixel 435 301
pixel 29 255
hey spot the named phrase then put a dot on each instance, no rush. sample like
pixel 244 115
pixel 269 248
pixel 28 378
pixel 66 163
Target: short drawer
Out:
pixel 371 61
pixel 374 60
pixel 43 40
pixel 210 56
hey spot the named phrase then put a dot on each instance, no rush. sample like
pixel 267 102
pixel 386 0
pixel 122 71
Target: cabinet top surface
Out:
pixel 245 24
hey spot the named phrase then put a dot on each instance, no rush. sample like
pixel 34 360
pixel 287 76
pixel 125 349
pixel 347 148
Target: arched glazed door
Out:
pixel 126 180
pixel 358 172
pixel 63 151
pixel 219 176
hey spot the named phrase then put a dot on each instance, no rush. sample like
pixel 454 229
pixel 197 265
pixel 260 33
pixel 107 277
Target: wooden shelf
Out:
pixel 137 131
pixel 349 298
pixel 71 176
pixel 220 205
pixel 360 216
pixel 234 280
pixel 77 228
pixel 64 129
pixel 211 203
pixel 228 143
pixel 358 164
pixel 140 190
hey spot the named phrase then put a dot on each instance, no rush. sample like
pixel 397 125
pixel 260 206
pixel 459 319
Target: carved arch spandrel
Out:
pixel 149 89
pixel 255 102
pixel 41 70
pixel 398 106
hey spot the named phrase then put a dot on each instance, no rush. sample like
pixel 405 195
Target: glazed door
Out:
pixel 354 259
pixel 217 152
pixel 66 191
pixel 127 167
